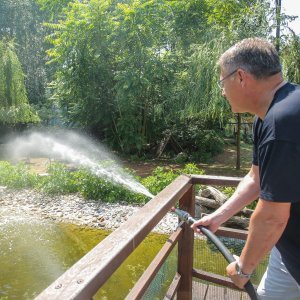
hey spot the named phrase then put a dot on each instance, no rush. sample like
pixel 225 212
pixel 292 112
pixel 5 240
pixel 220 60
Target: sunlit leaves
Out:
pixel 14 106
pixel 291 59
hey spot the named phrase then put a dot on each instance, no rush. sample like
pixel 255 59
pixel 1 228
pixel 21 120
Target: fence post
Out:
pixel 185 248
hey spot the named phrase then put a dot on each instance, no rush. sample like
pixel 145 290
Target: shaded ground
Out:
pixel 222 164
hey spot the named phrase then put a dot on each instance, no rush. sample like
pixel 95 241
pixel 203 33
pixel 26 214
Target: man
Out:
pixel 251 80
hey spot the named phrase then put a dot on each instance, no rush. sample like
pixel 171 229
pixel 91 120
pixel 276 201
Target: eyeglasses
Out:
pixel 221 82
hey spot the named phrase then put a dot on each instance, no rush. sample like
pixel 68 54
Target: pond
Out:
pixel 34 252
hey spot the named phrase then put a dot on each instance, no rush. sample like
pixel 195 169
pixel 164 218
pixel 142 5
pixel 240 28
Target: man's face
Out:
pixel 231 89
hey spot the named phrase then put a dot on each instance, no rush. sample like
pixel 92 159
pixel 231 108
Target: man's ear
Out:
pixel 241 75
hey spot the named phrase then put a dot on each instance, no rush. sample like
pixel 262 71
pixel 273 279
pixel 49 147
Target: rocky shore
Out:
pixel 74 209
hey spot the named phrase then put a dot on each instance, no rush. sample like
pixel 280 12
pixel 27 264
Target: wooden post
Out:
pixel 185 249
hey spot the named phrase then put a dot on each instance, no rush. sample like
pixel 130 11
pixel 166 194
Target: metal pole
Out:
pixel 278 23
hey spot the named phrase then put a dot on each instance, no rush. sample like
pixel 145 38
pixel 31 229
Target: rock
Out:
pixel 75 209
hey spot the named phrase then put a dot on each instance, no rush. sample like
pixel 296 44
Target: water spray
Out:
pixel 76 149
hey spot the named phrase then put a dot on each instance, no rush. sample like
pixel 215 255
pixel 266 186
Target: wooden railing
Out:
pixel 85 278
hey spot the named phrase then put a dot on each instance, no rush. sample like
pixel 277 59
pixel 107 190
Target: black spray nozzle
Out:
pixel 184 216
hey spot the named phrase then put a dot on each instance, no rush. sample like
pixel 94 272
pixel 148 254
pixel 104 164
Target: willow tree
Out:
pixel 290 56
pixel 21 21
pixel 201 95
pixel 14 106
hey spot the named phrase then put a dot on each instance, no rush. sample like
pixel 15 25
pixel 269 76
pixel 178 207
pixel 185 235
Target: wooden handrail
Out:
pixel 86 276
pixel 215 180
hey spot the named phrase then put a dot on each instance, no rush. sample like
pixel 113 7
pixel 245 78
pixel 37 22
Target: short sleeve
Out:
pixel 255 129
pixel 279 165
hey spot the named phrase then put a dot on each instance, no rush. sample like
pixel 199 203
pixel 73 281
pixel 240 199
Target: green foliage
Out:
pixel 192 133
pixel 18 176
pixel 163 176
pixel 92 187
pixel 290 56
pixel 14 106
pixel 228 191
pixel 160 178
pixel 59 181
pixel 127 71
pixel 239 19
pixel 21 21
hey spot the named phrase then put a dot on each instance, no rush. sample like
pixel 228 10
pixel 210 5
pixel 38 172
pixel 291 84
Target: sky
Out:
pixel 292 7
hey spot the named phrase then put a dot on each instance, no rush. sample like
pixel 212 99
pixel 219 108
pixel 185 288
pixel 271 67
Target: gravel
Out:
pixel 74 209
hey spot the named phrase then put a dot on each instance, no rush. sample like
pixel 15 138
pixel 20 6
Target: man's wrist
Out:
pixel 240 272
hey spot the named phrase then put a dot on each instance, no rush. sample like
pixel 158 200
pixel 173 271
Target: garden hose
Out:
pixel 186 217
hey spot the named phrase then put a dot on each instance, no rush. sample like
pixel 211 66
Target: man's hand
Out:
pixel 236 279
pixel 210 222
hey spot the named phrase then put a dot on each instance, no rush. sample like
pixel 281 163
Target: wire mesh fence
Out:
pixel 208 258
pixel 163 278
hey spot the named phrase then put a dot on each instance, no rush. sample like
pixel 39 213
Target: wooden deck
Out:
pixel 202 291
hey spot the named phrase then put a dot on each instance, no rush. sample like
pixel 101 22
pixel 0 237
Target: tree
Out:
pixel 21 21
pixel 130 70
pixel 14 106
pixel 290 56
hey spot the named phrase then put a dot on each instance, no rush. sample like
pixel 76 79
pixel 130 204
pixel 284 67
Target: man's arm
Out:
pixel 246 192
pixel 266 227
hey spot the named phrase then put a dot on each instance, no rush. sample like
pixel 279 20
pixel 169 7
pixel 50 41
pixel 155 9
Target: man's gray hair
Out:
pixel 254 55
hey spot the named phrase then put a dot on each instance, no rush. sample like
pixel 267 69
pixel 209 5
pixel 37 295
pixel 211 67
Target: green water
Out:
pixel 34 252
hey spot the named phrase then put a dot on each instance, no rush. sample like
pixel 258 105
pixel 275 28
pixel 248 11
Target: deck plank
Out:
pixel 231 294
pixel 204 291
pixel 245 296
pixel 199 290
pixel 215 292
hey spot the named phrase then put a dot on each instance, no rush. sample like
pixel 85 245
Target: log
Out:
pixel 212 193
pixel 246 212
pixel 237 222
pixel 200 210
pixel 210 203
pixel 234 222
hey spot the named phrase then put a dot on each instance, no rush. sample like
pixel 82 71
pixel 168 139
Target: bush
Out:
pixel 91 186
pixel 163 176
pixel 18 176
pixel 60 180
pixel 198 141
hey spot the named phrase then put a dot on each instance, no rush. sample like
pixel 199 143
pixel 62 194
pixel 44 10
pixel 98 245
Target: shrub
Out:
pixel 91 186
pixel 59 180
pixel 18 176
pixel 163 176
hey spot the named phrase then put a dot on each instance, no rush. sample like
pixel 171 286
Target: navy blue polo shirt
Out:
pixel 277 154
